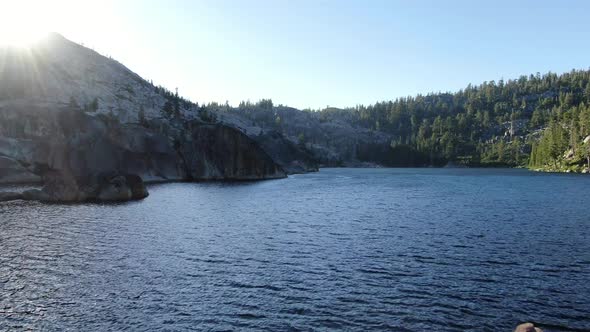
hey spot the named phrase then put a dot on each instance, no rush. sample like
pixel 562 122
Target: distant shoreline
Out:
pixel 165 181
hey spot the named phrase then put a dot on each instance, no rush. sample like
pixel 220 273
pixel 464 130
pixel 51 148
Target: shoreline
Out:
pixel 152 181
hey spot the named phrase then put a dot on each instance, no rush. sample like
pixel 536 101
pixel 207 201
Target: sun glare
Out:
pixel 23 23
pixel 21 38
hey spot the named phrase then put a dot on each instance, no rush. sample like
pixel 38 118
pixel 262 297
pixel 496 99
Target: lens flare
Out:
pixel 22 38
pixel 22 23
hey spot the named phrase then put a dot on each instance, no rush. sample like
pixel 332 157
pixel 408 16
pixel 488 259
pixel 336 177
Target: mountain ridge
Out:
pixel 491 124
pixel 69 109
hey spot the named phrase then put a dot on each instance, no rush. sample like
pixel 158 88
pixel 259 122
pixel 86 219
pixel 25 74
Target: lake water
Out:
pixel 352 249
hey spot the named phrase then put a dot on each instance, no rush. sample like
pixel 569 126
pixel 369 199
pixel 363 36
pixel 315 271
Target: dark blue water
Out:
pixel 351 249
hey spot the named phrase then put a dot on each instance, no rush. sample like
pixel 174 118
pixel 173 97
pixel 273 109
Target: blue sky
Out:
pixel 340 52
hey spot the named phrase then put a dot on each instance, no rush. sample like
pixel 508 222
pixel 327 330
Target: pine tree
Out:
pixel 533 157
pixel 168 108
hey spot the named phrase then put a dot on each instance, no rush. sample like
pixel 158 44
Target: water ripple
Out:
pixel 402 250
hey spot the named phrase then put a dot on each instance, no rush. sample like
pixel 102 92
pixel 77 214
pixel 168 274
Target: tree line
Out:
pixel 529 121
pixel 492 124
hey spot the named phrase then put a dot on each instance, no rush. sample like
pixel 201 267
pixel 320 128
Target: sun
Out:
pixel 22 38
pixel 22 23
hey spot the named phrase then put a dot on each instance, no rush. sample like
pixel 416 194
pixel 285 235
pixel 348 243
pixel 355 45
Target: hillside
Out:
pixel 57 72
pixel 65 108
pixel 492 124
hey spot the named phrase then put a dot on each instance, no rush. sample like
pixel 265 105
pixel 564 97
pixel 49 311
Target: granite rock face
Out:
pixel 214 152
pixel 292 158
pixel 67 109
pixel 72 142
pixel 75 143
pixel 11 171
pixel 65 188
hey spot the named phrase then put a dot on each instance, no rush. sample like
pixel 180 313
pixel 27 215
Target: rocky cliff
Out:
pixel 65 108
pixel 300 141
pixel 293 158
pixel 72 142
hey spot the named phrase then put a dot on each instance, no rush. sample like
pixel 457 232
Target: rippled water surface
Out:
pixel 353 249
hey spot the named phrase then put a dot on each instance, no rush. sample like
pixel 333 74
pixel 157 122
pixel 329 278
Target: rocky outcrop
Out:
pixel 333 142
pixel 122 188
pixel 292 158
pixel 73 142
pixel 65 188
pixel 82 114
pixel 57 71
pixel 215 152
pixel 289 153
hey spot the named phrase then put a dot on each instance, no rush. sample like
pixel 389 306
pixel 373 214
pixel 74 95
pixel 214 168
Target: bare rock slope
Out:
pixel 67 109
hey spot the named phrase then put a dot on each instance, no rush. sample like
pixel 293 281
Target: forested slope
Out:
pixel 491 124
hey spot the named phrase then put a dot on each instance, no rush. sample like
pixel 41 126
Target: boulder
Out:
pixel 115 189
pixel 64 188
pixel 137 186
pixel 121 188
